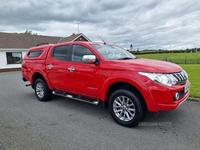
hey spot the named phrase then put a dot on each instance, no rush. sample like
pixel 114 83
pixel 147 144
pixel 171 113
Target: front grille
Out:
pixel 180 77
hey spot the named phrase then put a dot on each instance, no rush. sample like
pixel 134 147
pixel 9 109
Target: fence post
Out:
pixel 186 60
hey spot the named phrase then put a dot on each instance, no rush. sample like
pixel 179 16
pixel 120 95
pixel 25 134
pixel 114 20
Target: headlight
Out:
pixel 165 79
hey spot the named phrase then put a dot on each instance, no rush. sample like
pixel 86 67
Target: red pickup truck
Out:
pixel 96 73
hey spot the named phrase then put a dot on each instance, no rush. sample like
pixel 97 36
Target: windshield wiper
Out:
pixel 125 58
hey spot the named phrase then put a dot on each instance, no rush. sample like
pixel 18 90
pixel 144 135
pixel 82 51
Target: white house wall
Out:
pixel 3 59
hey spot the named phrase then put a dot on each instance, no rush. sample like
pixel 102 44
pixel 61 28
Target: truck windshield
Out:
pixel 113 52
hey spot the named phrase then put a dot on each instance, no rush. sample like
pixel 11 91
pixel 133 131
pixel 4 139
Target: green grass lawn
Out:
pixel 171 55
pixel 180 58
pixel 193 70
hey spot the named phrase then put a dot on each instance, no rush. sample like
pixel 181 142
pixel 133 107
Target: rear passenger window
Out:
pixel 60 52
pixel 36 53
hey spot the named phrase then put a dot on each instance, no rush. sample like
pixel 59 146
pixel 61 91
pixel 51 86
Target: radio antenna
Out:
pixel 102 40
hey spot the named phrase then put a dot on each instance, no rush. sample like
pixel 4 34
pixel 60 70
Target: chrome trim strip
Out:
pixel 180 77
pixel 182 101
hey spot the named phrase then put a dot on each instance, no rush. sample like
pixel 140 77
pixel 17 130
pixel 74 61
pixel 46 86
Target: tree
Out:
pixel 29 32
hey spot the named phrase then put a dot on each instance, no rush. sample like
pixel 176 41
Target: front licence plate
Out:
pixel 187 87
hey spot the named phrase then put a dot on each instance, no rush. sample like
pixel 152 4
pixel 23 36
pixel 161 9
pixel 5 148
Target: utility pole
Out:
pixel 131 47
pixel 78 25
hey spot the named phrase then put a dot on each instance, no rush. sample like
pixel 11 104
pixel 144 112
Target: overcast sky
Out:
pixel 146 24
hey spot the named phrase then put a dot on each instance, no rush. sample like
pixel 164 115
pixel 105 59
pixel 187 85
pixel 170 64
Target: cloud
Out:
pixel 151 24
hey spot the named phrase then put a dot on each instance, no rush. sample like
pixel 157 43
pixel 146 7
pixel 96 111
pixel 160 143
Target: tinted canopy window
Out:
pixel 60 52
pixel 35 53
pixel 78 51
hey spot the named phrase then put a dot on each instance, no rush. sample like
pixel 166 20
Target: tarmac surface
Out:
pixel 62 124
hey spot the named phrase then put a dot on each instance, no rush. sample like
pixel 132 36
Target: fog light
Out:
pixel 177 96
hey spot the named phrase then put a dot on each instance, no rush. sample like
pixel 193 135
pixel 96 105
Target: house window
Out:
pixel 14 57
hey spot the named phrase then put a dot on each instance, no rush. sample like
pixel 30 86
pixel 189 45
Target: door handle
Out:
pixel 71 69
pixel 50 66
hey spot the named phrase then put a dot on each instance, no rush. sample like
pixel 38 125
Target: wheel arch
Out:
pixel 37 75
pixel 124 85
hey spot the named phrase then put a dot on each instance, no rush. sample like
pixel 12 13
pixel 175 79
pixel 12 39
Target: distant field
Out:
pixel 193 70
pixel 179 58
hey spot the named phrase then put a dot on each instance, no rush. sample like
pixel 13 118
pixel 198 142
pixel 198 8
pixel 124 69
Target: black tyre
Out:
pixel 42 91
pixel 143 114
pixel 125 108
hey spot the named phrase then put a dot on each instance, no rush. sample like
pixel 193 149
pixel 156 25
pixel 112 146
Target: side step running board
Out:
pixel 76 97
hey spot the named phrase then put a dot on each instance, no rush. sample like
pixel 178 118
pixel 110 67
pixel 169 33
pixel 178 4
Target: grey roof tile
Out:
pixel 19 40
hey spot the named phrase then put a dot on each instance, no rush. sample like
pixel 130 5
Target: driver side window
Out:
pixel 78 51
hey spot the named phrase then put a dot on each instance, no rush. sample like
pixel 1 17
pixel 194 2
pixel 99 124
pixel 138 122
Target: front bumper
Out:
pixel 165 99
pixel 173 105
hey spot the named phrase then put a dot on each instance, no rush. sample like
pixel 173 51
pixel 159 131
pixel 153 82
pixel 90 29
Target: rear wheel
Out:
pixel 42 92
pixel 125 108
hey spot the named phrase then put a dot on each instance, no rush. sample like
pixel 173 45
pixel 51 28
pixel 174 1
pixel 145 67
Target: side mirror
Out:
pixel 89 59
